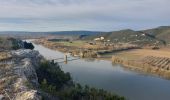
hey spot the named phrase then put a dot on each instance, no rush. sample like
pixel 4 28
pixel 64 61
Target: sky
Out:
pixel 93 15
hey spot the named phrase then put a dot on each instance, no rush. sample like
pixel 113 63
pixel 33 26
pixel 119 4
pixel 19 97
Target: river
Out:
pixel 115 78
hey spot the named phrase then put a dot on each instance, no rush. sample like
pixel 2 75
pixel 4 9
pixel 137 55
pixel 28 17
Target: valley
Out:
pixel 115 57
pixel 84 50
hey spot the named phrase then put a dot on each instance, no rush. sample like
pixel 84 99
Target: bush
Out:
pixel 28 45
pixel 54 81
pixel 53 74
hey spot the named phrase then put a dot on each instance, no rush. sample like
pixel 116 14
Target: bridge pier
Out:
pixel 65 58
pixel 53 62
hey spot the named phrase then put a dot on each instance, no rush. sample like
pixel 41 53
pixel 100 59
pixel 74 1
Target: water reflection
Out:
pixel 89 59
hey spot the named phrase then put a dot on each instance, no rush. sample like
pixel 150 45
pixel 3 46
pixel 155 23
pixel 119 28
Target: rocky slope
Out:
pixel 18 78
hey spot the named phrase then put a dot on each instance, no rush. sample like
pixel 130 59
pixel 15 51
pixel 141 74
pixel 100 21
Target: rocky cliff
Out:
pixel 18 78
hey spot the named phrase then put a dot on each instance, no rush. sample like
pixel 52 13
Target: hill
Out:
pixel 162 32
pixel 129 36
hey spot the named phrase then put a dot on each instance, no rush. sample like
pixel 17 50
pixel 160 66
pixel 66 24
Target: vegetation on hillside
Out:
pixel 157 36
pixel 54 81
pixel 9 43
pixel 162 33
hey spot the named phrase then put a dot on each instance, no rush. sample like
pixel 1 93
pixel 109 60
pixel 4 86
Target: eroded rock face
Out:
pixel 28 95
pixel 18 79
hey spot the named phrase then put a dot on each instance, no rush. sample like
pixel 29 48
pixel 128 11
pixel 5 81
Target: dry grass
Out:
pixel 141 53
pixel 74 43
pixel 4 55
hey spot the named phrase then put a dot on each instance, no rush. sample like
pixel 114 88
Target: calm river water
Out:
pixel 115 78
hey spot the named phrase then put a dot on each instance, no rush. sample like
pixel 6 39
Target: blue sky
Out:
pixel 95 15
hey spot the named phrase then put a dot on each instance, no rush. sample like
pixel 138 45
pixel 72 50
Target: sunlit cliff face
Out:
pixel 105 15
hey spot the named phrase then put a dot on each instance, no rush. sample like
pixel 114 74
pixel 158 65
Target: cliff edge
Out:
pixel 18 78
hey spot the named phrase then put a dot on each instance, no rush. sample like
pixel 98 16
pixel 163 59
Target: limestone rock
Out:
pixel 19 79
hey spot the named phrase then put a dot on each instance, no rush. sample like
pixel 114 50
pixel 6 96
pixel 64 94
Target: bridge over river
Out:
pixel 65 59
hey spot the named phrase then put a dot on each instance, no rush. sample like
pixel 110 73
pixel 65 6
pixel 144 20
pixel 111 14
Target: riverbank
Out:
pixel 85 49
pixel 148 61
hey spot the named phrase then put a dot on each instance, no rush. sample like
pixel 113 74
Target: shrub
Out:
pixel 54 81
pixel 28 45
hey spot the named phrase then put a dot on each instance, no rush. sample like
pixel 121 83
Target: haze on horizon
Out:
pixel 94 15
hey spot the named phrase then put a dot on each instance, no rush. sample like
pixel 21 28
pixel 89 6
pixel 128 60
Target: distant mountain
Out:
pixel 76 32
pixel 53 33
pixel 162 33
pixel 61 34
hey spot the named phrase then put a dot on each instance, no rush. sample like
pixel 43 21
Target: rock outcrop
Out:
pixel 18 79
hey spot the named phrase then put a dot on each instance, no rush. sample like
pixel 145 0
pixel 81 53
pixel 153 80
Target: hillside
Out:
pixel 162 33
pixel 128 36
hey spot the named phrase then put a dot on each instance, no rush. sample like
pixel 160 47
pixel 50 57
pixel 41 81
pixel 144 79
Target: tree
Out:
pixel 28 45
pixel 44 84
pixel 54 81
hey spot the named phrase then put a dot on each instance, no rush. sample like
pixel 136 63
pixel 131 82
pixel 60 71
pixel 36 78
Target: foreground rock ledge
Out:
pixel 18 78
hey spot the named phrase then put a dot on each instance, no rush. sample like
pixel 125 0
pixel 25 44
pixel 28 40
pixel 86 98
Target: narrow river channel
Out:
pixel 115 78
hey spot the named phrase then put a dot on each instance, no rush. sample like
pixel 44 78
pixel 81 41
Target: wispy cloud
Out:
pixel 107 15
